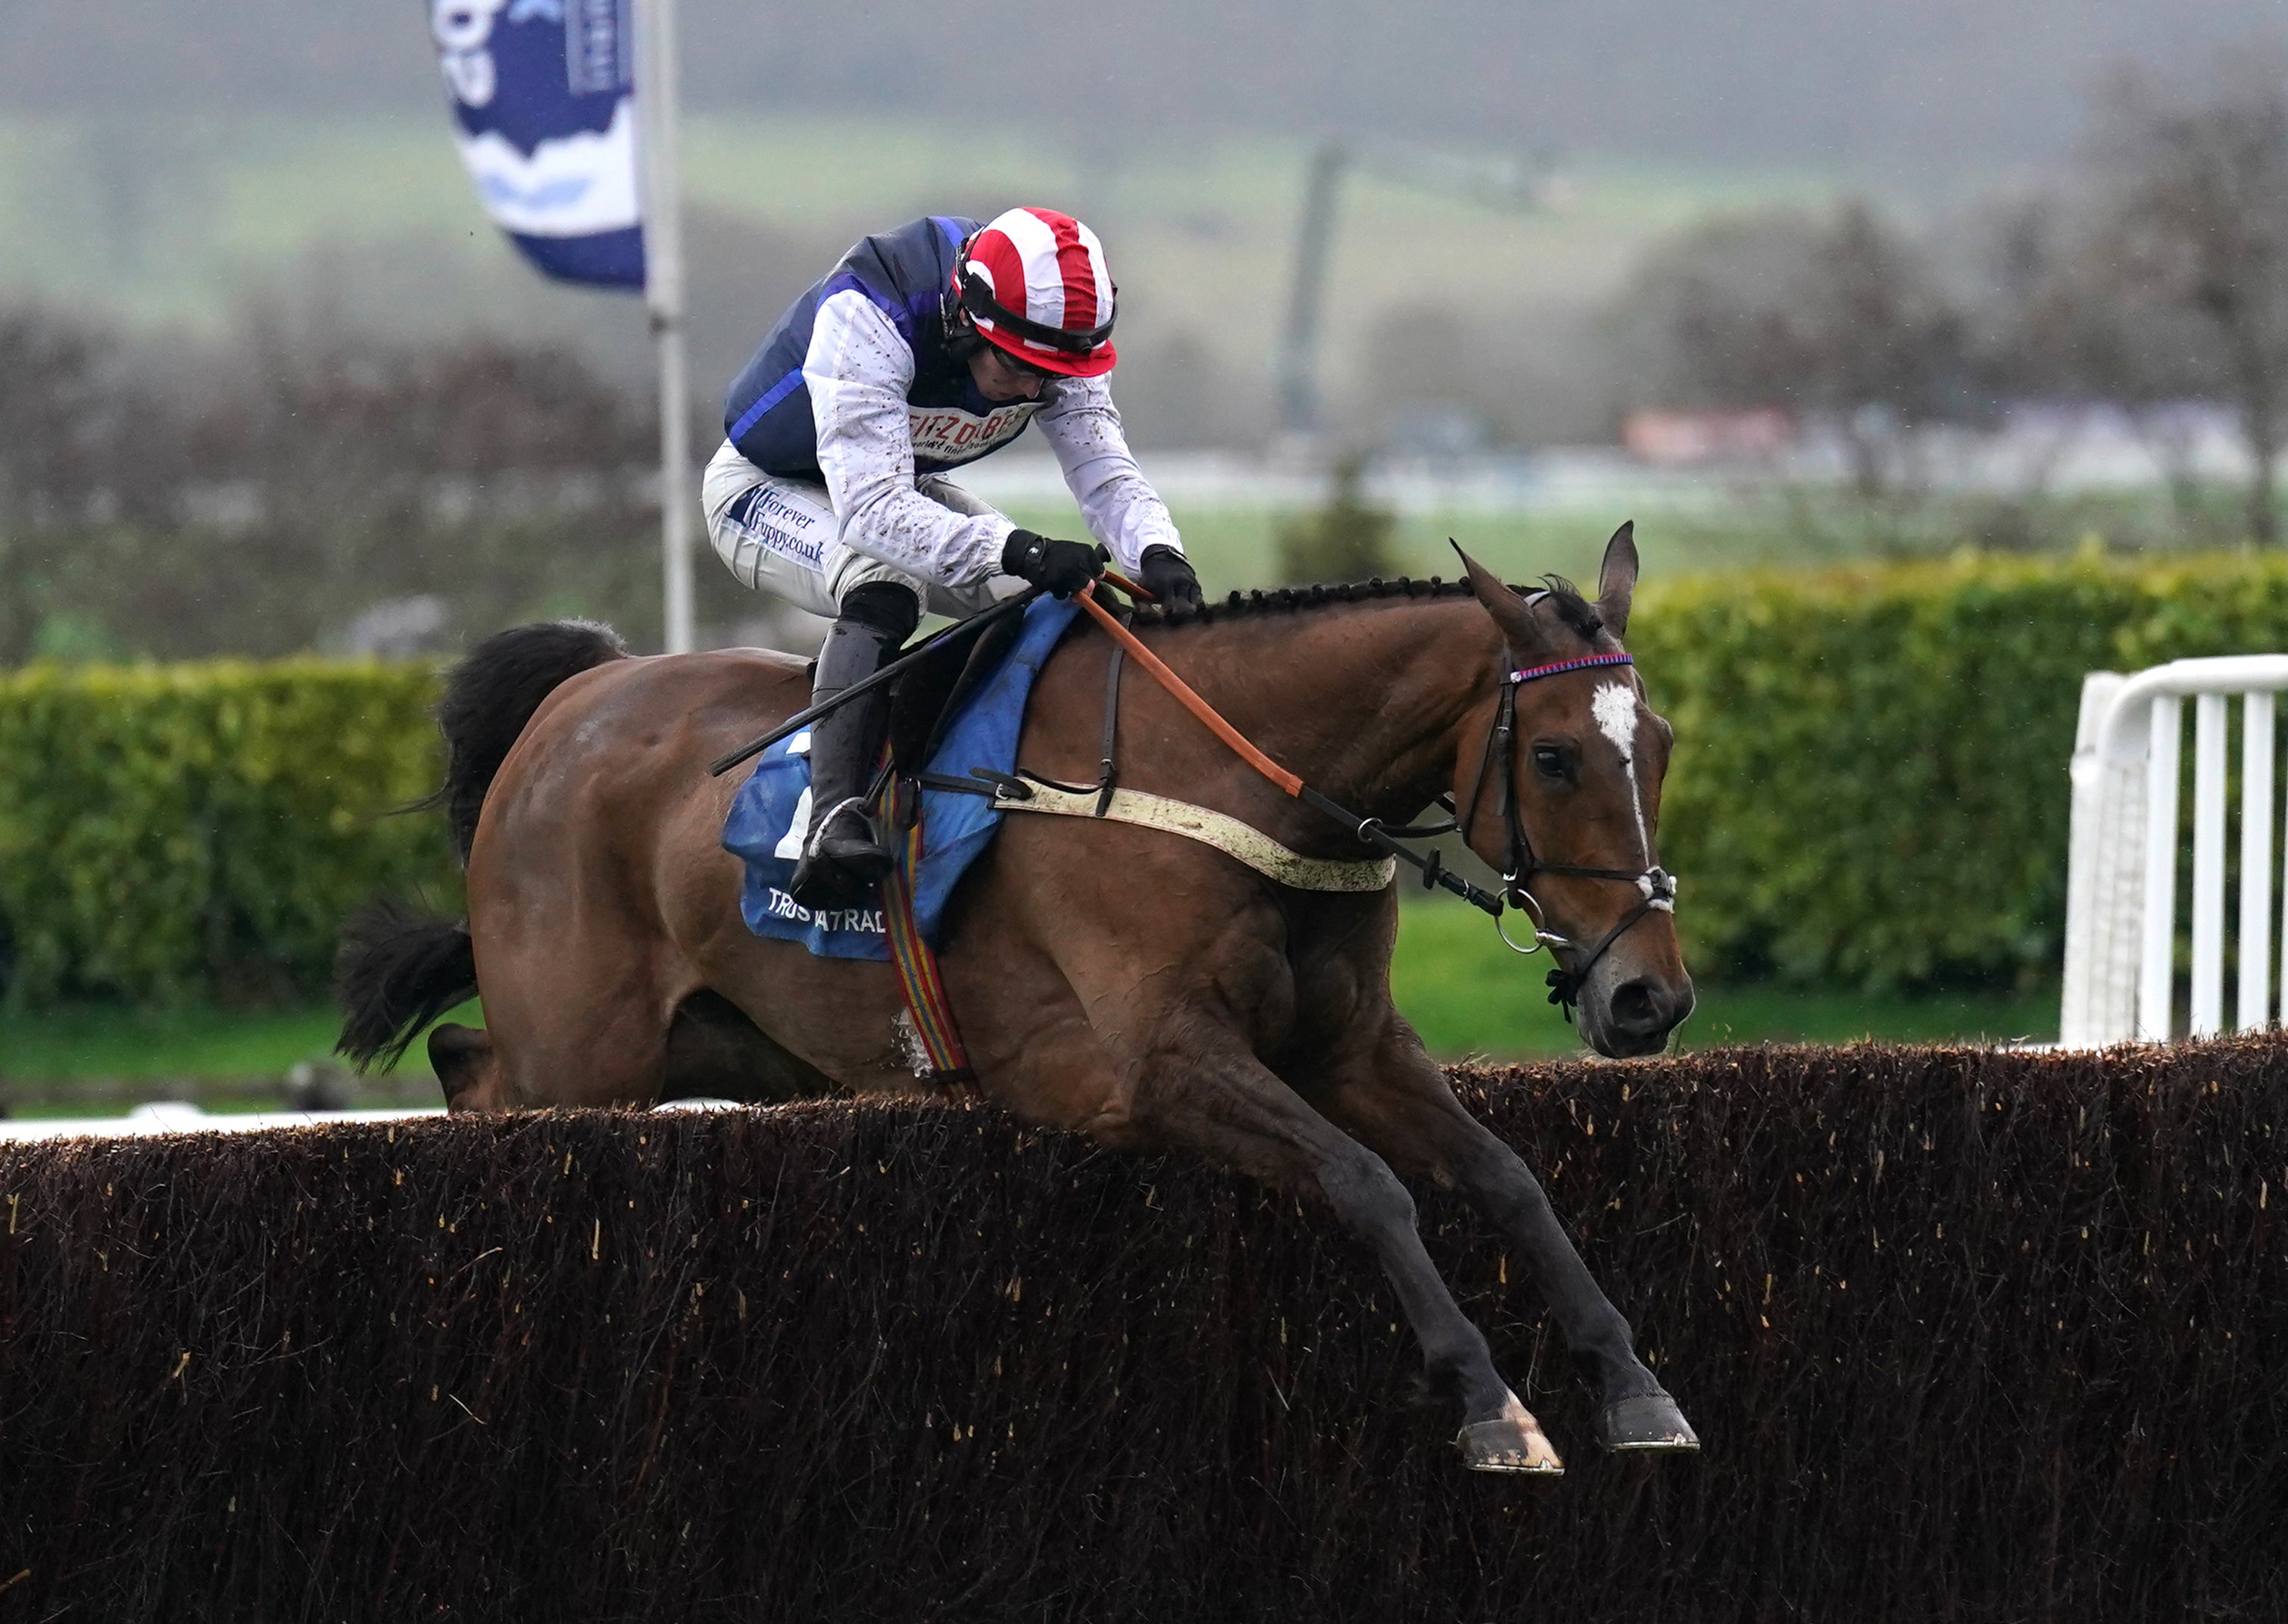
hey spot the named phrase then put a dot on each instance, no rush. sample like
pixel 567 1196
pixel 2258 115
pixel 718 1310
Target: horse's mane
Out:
pixel 1578 614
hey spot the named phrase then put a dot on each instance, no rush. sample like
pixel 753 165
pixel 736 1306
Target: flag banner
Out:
pixel 544 94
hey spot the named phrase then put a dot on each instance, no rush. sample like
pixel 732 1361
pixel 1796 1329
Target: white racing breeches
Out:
pixel 780 536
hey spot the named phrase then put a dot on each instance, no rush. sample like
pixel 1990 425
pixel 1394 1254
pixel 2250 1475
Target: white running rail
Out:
pixel 172 1117
pixel 2121 875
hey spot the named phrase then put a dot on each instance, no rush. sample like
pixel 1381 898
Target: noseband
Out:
pixel 1656 886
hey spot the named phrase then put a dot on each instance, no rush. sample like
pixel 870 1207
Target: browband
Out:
pixel 1557 668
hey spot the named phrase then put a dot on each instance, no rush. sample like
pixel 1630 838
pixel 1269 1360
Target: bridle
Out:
pixel 1656 886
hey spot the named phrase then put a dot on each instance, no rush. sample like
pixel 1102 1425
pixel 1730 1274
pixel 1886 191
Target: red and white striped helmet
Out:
pixel 1035 282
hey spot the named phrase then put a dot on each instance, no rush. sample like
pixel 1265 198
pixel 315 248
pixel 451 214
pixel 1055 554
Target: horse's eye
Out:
pixel 1553 761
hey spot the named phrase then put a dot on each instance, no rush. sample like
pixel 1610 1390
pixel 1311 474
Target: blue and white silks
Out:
pixel 771 812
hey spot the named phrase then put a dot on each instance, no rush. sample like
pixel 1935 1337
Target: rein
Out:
pixel 1369 830
pixel 1656 886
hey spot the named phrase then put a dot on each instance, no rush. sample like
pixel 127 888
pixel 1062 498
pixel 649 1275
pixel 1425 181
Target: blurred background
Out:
pixel 1783 280
pixel 1792 284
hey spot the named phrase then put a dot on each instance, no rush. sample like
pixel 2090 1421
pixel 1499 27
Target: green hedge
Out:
pixel 1869 778
pixel 1869 785
pixel 169 832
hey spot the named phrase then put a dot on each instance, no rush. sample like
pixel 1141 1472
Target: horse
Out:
pixel 1119 982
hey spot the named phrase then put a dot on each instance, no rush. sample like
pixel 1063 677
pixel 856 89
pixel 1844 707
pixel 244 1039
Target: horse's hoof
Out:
pixel 1505 1445
pixel 1650 1421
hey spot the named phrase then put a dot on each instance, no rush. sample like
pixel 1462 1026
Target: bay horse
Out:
pixel 1120 982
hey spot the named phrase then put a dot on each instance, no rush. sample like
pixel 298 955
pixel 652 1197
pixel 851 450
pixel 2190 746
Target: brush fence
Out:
pixel 1968 1334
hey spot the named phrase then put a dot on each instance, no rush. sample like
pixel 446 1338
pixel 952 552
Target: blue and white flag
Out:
pixel 544 92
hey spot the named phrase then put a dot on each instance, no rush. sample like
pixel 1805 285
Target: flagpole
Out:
pixel 663 229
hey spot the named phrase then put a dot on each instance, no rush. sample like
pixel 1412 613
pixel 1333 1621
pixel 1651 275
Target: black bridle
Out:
pixel 1656 886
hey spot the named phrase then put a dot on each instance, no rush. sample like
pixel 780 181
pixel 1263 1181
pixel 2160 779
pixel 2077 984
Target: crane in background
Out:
pixel 1513 185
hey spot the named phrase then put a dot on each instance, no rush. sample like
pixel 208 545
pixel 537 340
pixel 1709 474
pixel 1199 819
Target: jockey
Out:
pixel 929 347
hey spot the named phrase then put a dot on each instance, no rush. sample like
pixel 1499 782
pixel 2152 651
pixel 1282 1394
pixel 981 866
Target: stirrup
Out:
pixel 861 848
pixel 840 870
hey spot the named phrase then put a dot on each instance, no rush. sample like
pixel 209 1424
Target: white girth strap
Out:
pixel 1230 836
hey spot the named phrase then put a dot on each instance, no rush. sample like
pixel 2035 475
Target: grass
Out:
pixel 1466 993
pixel 95 1060
pixel 89 1042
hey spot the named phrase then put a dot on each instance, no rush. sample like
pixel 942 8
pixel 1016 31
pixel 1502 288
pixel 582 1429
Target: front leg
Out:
pixel 1194 1083
pixel 1224 1104
pixel 1397 1100
pixel 1147 1037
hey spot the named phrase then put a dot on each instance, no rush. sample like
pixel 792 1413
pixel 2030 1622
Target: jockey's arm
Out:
pixel 858 370
pixel 1122 510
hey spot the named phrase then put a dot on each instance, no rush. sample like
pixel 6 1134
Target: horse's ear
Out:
pixel 1616 579
pixel 1511 612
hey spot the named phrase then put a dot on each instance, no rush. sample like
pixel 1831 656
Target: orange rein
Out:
pixel 1182 691
pixel 1433 870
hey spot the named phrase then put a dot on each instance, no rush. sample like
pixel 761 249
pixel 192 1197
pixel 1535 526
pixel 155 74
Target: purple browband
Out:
pixel 1558 668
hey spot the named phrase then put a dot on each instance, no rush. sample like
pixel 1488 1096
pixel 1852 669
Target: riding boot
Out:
pixel 844 855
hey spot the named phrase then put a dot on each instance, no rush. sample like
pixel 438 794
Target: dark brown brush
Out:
pixel 1969 1335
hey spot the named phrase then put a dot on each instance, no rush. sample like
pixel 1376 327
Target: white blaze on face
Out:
pixel 1615 710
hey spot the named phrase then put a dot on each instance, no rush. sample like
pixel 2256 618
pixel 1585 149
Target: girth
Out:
pixel 1227 835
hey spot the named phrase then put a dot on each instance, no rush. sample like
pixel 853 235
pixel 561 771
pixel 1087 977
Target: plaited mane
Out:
pixel 1578 614
pixel 1288 599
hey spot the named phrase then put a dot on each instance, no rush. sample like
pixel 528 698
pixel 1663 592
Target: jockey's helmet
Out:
pixel 1035 285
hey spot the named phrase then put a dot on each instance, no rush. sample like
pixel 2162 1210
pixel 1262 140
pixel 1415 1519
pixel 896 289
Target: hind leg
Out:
pixel 466 1069
pixel 469 1070
pixel 574 1015
pixel 594 1045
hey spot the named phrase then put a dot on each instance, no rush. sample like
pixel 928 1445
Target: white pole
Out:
pixel 663 226
pixel 2158 919
pixel 2255 862
pixel 2103 888
pixel 2207 1017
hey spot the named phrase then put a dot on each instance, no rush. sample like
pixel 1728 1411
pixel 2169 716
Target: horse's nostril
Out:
pixel 1641 1006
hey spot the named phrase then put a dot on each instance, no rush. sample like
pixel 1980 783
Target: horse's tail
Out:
pixel 490 696
pixel 397 969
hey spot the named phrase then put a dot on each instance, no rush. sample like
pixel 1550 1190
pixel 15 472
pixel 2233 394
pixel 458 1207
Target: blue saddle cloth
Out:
pixel 771 812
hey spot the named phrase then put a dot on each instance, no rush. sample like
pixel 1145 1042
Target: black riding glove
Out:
pixel 1061 567
pixel 1167 575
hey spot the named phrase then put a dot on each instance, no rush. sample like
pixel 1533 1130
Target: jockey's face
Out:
pixel 1000 377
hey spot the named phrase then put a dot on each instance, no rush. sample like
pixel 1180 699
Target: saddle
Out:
pixel 964 701
pixel 924 700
